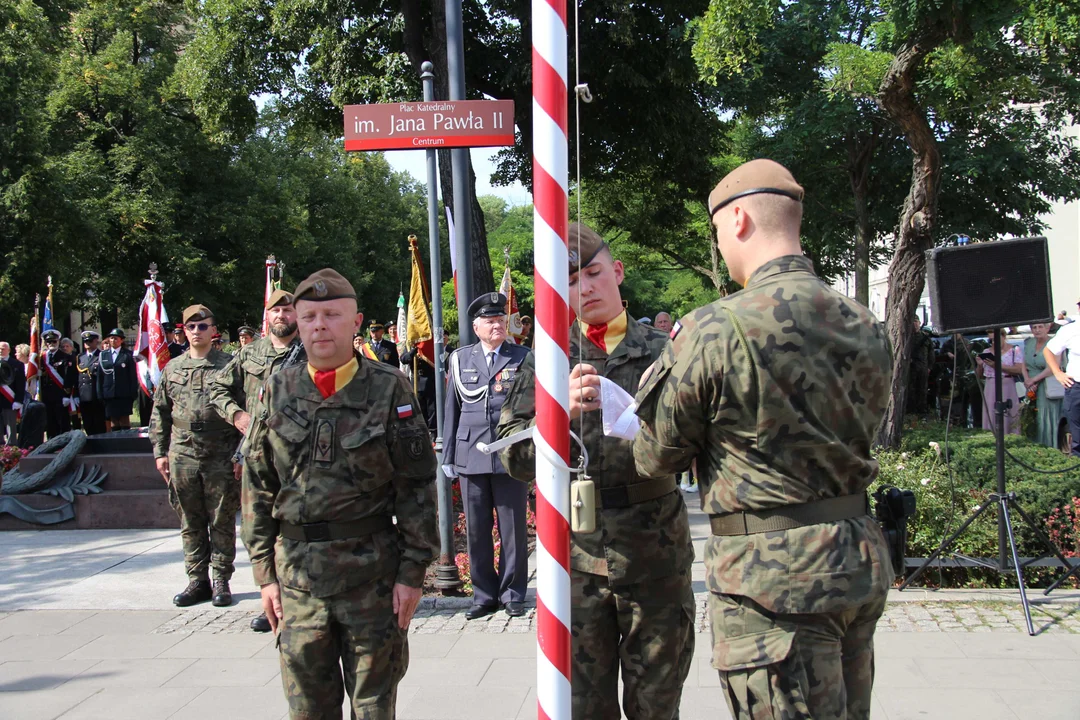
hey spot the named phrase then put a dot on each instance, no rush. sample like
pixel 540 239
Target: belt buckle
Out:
pixel 316 532
pixel 616 497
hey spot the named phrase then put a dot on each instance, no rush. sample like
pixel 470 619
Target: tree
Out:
pixel 962 84
pixel 647 116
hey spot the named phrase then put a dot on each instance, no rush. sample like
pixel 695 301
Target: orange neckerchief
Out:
pixel 607 336
pixel 330 381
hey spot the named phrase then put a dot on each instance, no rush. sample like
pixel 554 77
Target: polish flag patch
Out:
pixel 404 411
pixel 675 329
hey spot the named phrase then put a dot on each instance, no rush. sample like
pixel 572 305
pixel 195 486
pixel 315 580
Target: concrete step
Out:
pixel 127 471
pixel 110 510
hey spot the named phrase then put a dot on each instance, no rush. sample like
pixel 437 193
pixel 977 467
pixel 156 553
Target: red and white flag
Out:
pixel 151 348
pixel 35 350
pixel 514 327
pixel 271 266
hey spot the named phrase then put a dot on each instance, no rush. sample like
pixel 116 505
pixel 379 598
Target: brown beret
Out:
pixel 326 284
pixel 754 178
pixel 582 245
pixel 279 297
pixel 197 312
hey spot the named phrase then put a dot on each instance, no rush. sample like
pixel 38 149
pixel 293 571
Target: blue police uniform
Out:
pixel 478 387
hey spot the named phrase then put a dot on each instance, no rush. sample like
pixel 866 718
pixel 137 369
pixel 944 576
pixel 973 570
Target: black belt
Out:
pixel 790 517
pixel 326 531
pixel 627 495
pixel 201 425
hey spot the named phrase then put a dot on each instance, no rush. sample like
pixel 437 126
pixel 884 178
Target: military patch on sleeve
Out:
pixel 404 411
pixel 414 445
pixel 675 329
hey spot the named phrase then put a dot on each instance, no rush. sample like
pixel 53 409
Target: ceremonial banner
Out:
pixel 514 328
pixel 35 350
pixel 151 347
pixel 418 323
pixel 47 318
pixel 401 324
pixel 271 265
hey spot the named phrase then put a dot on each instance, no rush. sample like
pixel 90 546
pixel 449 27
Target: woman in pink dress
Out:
pixel 1012 369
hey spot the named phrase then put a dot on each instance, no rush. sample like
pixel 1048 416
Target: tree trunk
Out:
pixel 907 272
pixel 859 157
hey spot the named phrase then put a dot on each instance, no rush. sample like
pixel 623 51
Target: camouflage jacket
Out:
pixel 236 388
pixel 364 451
pixel 777 409
pixel 645 541
pixel 184 422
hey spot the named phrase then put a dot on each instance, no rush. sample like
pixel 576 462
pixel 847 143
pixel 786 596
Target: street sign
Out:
pixel 429 125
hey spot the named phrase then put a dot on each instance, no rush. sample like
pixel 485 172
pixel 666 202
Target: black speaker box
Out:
pixel 989 284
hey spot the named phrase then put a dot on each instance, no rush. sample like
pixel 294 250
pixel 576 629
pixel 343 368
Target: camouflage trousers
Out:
pixel 206 496
pixel 779 667
pixel 347 643
pixel 646 630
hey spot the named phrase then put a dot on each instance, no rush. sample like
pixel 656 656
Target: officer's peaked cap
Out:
pixel 490 304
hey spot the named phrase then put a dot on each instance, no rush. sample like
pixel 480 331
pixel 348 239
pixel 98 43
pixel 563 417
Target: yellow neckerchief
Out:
pixel 607 336
pixel 330 381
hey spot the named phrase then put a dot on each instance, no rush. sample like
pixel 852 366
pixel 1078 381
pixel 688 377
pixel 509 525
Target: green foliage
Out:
pixel 944 502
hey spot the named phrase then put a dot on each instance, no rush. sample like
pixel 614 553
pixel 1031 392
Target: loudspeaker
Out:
pixel 989 284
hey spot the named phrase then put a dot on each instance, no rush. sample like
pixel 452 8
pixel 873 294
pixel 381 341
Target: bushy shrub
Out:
pixel 944 502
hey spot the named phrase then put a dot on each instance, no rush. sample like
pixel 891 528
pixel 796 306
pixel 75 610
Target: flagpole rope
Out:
pixel 551 346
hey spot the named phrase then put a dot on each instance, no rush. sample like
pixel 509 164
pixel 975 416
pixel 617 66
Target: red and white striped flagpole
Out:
pixel 552 436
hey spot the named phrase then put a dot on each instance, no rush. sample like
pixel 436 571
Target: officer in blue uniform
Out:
pixel 481 376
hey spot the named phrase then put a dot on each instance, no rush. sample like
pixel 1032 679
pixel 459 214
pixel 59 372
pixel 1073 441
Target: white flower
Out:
pixel 903 456
pixel 925 481
pixel 899 467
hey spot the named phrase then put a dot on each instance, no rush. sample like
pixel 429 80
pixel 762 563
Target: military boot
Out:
pixel 197 591
pixel 261 624
pixel 222 594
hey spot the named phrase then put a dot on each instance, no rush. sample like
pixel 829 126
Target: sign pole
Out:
pixel 455 64
pixel 446 572
pixel 551 345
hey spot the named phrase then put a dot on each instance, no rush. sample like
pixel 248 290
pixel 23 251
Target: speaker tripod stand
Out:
pixel 1003 501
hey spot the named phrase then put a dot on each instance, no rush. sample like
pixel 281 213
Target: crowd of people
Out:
pixel 958 372
pixel 771 396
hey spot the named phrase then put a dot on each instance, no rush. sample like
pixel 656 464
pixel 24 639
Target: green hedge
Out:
pixel 943 504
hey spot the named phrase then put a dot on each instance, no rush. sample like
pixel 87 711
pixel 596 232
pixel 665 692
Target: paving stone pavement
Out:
pixel 88 632
pixel 942 616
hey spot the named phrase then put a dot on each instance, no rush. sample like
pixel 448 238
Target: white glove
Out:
pixel 449 471
pixel 16 406
pixel 617 407
pixel 74 403
pixel 66 402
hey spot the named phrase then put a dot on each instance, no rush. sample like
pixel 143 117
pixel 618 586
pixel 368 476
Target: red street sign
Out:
pixel 435 124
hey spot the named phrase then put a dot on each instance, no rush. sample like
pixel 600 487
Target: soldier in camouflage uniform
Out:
pixel 775 393
pixel 337 451
pixel 193 447
pixel 236 389
pixel 631 599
